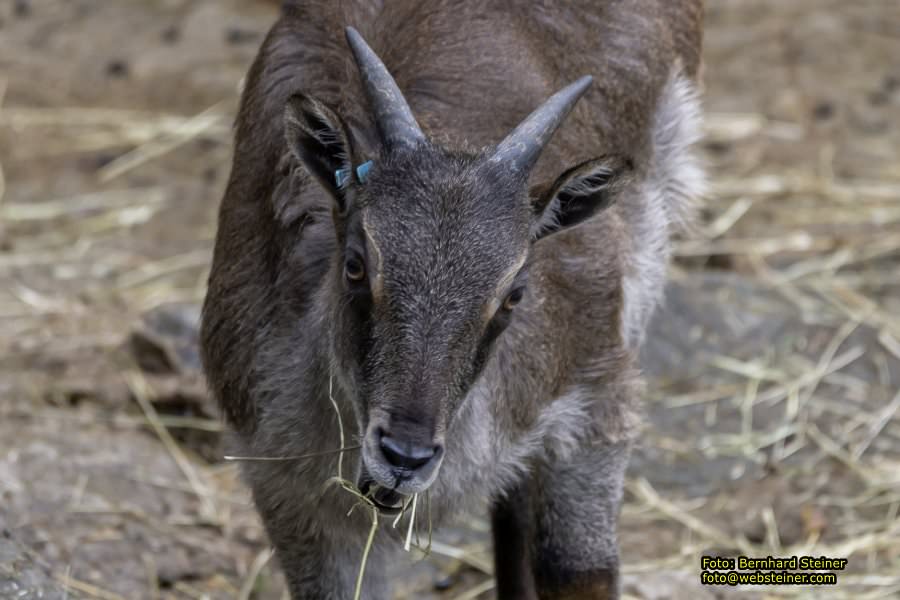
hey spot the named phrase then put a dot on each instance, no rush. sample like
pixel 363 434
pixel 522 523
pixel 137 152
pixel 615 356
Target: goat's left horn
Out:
pixel 393 117
pixel 524 145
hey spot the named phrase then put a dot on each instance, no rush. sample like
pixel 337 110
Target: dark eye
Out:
pixel 354 269
pixel 513 298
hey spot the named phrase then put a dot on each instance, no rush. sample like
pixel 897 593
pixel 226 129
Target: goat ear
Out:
pixel 318 138
pixel 578 194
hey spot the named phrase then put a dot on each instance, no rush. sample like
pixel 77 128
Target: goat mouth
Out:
pixel 386 500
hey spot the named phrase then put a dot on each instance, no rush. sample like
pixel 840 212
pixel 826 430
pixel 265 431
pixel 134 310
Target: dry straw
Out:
pixel 823 242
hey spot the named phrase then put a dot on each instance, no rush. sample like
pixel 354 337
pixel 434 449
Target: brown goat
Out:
pixel 471 300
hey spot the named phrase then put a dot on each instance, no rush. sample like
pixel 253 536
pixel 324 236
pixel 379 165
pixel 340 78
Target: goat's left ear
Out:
pixel 320 140
pixel 578 194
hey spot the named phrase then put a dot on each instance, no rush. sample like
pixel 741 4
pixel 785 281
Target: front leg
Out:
pixel 512 525
pixel 321 566
pixel 576 507
pixel 320 547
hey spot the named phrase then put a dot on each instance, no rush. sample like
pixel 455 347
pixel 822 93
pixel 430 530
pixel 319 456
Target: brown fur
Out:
pixel 543 430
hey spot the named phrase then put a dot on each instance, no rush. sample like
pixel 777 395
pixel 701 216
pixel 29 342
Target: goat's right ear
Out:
pixel 320 141
pixel 578 194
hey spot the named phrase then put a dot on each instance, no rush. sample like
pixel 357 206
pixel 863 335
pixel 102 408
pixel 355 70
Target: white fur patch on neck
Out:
pixel 677 127
pixel 666 203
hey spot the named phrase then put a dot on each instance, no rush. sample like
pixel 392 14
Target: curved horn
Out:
pixel 523 146
pixel 394 119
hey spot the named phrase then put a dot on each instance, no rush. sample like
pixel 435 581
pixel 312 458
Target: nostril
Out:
pixel 404 455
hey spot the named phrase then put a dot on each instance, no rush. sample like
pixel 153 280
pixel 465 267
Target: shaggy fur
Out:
pixel 533 407
pixel 665 204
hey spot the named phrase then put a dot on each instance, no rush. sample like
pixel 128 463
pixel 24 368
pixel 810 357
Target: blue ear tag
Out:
pixel 341 176
pixel 362 171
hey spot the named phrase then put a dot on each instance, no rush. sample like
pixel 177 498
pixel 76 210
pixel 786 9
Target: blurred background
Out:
pixel 773 414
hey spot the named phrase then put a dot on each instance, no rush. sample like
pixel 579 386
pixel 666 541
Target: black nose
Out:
pixel 404 455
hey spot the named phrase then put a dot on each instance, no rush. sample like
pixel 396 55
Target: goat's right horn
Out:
pixel 393 117
pixel 524 145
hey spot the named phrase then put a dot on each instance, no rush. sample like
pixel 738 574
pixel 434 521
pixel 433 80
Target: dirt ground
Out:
pixel 774 369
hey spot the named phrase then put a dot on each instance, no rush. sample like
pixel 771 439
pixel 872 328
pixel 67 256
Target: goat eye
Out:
pixel 513 298
pixel 354 269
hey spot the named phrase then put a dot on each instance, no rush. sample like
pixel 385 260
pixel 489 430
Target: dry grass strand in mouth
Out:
pixel 289 458
pixel 366 499
pixel 412 522
pixel 337 411
pixel 350 487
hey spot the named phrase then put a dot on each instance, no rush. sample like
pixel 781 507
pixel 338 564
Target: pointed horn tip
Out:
pixel 582 84
pixel 354 39
pixel 393 116
pixel 518 148
pixel 358 44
